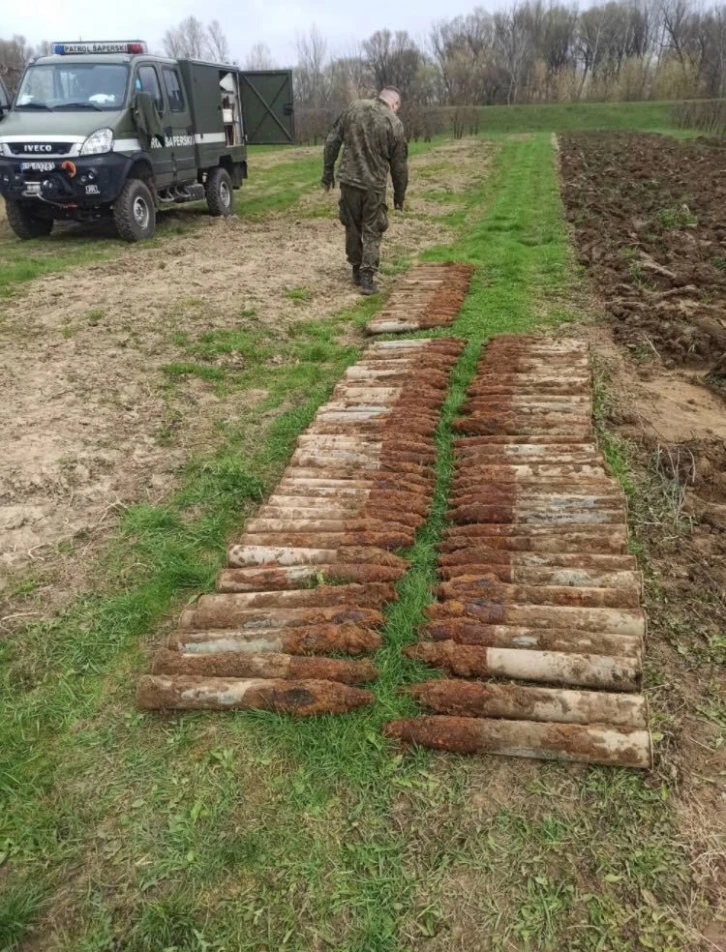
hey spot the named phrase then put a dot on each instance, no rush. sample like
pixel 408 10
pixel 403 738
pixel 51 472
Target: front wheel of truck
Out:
pixel 220 198
pixel 134 211
pixel 25 224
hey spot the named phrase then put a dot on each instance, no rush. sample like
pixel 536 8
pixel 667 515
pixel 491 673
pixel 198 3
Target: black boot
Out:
pixel 356 274
pixel 367 284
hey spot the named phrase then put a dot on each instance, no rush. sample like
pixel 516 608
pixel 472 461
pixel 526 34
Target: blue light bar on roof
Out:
pixel 124 46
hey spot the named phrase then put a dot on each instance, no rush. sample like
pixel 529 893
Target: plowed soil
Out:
pixel 647 213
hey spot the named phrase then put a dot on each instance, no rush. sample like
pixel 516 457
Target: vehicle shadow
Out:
pixel 68 234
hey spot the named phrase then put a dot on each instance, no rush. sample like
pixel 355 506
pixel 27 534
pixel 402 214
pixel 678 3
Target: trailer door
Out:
pixel 267 106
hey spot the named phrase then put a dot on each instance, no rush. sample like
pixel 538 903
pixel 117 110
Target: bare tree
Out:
pixel 311 75
pixel 189 40
pixel 218 45
pixel 260 57
pixel 394 60
pixel 14 54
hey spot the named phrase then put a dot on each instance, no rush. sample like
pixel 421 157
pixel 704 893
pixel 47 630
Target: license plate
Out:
pixel 37 166
pixel 32 188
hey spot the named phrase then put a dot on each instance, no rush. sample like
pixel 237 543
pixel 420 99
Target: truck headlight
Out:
pixel 99 141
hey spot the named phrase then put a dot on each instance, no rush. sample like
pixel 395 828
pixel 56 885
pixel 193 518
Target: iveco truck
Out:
pixel 100 130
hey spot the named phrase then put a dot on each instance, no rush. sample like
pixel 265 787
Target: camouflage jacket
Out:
pixel 373 142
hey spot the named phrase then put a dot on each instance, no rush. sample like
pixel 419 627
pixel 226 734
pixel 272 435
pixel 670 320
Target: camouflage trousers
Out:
pixel 365 217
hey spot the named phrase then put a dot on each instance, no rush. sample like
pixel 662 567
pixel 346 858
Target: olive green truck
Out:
pixel 101 130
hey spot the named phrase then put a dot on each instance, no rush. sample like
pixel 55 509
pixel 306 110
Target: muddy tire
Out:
pixel 26 225
pixel 220 197
pixel 134 211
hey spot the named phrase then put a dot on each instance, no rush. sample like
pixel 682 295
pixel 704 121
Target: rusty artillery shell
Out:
pixel 334 518
pixel 404 463
pixel 495 472
pixel 612 512
pixel 594 744
pixel 301 698
pixel 507 440
pixel 566 405
pixel 581 433
pixel 304 640
pixel 399 373
pixel 503 385
pixel 475 661
pixel 494 590
pixel 242 555
pixel 366 482
pixel 602 538
pixel 303 535
pixel 515 702
pixel 223 611
pixel 324 534
pixel 470 459
pixel 235 664
pixel 362 596
pixel 482 554
pixel 323 520
pixel 510 494
pixel 269 579
pixel 467 631
pixel 616 620
pixel 557 576
pixel 335 442
pixel 327 540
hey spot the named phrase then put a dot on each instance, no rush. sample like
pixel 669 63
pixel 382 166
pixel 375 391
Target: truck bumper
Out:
pixel 83 182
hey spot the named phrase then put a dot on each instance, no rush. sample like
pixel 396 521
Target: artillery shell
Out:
pixel 570 742
pixel 301 698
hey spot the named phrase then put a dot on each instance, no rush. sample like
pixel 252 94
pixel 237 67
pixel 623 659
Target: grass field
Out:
pixel 244 833
pixel 575 117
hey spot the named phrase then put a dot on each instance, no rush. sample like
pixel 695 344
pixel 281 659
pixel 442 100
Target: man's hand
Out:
pixel 327 181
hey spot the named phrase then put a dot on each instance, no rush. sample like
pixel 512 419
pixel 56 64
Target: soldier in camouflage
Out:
pixel 373 143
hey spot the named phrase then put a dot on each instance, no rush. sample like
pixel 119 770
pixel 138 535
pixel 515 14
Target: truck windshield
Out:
pixel 72 86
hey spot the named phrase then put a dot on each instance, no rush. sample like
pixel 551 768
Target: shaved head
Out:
pixel 391 96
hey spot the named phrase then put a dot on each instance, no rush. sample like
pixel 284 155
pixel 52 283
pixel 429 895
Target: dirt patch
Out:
pixel 646 211
pixel 646 220
pixel 266 160
pixel 448 170
pixel 82 356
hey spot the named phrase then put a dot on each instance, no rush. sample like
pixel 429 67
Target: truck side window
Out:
pixel 173 89
pixel 150 84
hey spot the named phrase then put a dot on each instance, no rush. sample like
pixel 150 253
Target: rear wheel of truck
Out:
pixel 220 198
pixel 25 224
pixel 134 211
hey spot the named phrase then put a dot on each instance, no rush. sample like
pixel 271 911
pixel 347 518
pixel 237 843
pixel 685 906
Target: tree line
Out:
pixel 531 52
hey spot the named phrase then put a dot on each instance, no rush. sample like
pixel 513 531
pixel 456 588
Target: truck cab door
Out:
pixel 147 80
pixel 178 125
pixel 4 100
pixel 267 107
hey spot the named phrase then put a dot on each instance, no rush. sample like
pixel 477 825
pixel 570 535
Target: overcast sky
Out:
pixel 274 22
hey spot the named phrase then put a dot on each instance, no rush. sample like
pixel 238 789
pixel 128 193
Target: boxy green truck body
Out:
pixel 102 132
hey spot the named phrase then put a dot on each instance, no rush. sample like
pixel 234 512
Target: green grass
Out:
pixel 576 117
pixel 252 832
